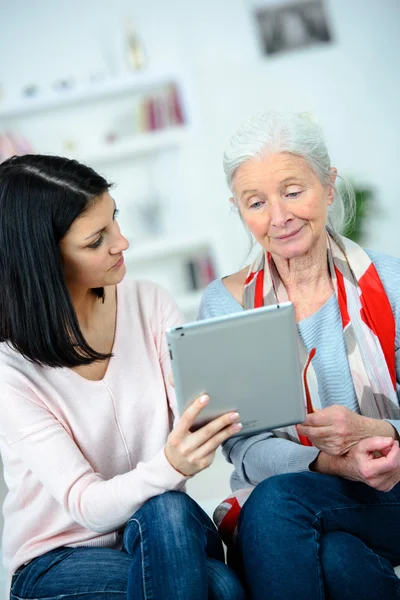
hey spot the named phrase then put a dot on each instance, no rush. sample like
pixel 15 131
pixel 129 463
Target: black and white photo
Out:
pixel 289 26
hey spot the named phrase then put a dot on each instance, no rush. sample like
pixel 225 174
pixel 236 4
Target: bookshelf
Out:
pixel 123 126
pixel 84 94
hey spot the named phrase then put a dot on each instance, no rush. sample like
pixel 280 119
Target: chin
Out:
pixel 118 275
pixel 291 250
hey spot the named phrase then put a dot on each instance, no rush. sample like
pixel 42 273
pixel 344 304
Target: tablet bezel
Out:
pixel 195 365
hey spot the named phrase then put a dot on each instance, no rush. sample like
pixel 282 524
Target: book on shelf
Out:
pixel 200 272
pixel 160 110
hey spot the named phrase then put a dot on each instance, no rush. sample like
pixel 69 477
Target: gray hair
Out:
pixel 299 134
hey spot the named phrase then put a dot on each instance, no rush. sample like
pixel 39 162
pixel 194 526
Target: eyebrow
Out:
pixel 102 229
pixel 292 179
pixel 248 192
pixel 95 233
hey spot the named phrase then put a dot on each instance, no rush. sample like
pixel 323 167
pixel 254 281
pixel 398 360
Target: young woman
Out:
pixel 94 458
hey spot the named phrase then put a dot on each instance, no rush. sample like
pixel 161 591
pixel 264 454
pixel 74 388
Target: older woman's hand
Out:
pixel 334 430
pixel 374 461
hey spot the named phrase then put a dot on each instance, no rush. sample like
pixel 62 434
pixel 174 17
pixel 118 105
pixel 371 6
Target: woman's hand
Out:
pixel 374 461
pixel 191 452
pixel 334 430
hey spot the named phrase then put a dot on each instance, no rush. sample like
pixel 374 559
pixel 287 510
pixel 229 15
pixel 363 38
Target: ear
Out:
pixel 331 189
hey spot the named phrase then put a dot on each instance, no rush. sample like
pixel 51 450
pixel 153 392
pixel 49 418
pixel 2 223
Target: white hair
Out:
pixel 296 133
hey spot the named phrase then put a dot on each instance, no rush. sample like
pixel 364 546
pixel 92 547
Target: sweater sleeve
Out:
pixel 260 456
pixel 50 453
pixel 170 316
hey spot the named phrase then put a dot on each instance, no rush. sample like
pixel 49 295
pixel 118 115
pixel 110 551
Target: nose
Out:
pixel 120 243
pixel 278 213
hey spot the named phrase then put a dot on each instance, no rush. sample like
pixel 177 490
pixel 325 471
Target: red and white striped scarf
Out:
pixel 368 327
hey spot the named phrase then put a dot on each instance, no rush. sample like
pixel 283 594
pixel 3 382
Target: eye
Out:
pixel 256 205
pixel 293 194
pixel 97 243
pixel 116 213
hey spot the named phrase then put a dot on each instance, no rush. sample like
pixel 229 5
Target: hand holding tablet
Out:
pixel 190 452
pixel 246 362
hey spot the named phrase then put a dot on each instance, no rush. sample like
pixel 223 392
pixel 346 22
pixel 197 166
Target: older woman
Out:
pixel 324 518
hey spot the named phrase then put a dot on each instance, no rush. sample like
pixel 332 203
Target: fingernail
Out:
pixel 237 427
pixel 234 417
pixel 204 399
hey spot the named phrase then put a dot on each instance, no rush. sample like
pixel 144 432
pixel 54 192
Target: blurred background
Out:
pixel 149 91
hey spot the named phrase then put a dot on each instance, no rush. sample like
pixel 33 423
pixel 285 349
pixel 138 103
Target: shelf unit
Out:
pixel 139 145
pixel 131 145
pixel 163 260
pixel 94 92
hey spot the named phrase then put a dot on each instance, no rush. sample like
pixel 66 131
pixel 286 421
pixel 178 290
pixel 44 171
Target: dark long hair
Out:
pixel 40 198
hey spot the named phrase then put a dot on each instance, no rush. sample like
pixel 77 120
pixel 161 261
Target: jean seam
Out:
pixel 134 520
pixel 319 570
pixel 72 595
pixel 357 506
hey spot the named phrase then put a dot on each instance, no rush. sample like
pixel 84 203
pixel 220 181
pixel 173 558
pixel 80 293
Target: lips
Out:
pixel 119 263
pixel 289 235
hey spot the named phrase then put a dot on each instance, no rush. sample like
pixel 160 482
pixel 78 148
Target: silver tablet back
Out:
pixel 247 362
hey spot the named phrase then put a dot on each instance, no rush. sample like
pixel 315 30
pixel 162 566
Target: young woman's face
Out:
pixel 283 203
pixel 93 246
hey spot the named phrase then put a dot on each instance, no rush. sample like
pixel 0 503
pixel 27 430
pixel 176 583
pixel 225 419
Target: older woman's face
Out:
pixel 283 203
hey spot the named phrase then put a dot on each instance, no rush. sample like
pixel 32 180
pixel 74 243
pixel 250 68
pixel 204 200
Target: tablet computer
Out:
pixel 246 362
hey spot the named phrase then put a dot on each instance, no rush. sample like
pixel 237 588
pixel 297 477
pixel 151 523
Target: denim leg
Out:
pixel 74 574
pixel 352 570
pixel 176 553
pixel 223 583
pixel 282 524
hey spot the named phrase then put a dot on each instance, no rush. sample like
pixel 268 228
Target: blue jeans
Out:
pixel 312 537
pixel 171 549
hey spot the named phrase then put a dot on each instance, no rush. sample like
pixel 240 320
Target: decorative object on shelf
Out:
pixel 135 53
pixel 13 143
pixel 64 85
pixel 364 202
pixel 110 137
pixel 30 91
pixel 288 26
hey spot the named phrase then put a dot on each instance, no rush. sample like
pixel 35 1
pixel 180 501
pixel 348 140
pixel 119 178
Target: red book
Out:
pixel 176 106
pixel 152 114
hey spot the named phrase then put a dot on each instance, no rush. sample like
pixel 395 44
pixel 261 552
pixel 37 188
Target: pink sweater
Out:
pixel 80 457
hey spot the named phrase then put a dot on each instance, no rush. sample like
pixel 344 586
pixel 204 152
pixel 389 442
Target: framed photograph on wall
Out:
pixel 291 25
